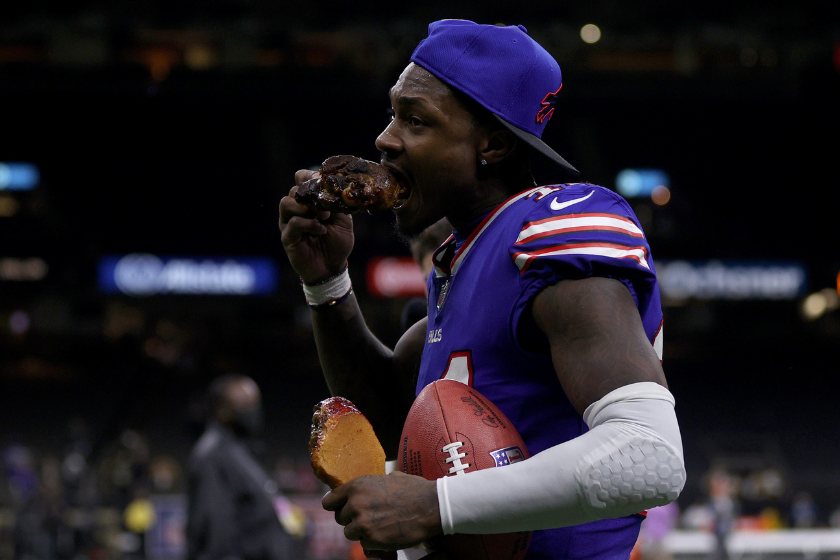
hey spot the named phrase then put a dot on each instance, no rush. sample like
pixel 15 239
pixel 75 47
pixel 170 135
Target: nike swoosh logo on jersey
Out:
pixel 560 205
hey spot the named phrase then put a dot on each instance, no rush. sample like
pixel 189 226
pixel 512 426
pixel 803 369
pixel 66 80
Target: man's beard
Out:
pixel 404 237
pixel 408 233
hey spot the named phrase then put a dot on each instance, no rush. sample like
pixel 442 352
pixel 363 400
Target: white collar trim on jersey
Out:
pixel 447 261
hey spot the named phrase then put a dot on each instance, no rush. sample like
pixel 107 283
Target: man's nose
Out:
pixel 387 142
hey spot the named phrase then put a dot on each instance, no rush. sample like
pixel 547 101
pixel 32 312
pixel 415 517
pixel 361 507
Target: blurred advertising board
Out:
pixel 395 277
pixel 142 274
pixel 732 280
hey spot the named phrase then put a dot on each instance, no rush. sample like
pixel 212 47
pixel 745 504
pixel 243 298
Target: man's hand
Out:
pixel 386 512
pixel 317 243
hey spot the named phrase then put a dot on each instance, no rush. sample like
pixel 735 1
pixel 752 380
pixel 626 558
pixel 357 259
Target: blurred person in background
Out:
pixel 31 540
pixel 422 248
pixel 424 245
pixel 232 511
pixel 554 317
pixel 834 518
pixel 725 508
pixel 803 511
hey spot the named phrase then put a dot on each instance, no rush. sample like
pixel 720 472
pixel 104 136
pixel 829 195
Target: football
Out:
pixel 452 430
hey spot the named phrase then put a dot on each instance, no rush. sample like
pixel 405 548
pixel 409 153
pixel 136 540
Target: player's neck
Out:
pixel 488 194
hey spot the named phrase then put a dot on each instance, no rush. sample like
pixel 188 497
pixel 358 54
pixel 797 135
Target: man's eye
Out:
pixel 414 121
pixel 390 112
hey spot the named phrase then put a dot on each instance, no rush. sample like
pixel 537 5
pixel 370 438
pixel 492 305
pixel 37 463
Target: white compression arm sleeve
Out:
pixel 630 460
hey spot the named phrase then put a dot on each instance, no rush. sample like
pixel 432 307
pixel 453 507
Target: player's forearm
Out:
pixel 358 366
pixel 629 461
pixel 351 356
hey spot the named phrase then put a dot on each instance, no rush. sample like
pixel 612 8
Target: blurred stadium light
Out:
pixel 16 269
pixel 590 33
pixel 18 176
pixel 19 322
pixel 660 195
pixel 8 206
pixel 818 304
pixel 635 183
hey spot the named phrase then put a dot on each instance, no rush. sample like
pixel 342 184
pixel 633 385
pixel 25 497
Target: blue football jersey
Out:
pixel 480 332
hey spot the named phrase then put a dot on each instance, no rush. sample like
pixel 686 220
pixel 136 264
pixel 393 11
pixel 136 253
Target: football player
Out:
pixel 544 298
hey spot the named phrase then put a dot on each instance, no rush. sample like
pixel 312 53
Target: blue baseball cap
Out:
pixel 503 69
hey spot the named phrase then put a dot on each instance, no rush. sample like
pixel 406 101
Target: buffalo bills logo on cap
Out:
pixel 502 68
pixel 547 105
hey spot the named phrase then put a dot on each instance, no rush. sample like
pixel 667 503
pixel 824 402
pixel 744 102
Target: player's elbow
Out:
pixel 645 472
pixel 640 464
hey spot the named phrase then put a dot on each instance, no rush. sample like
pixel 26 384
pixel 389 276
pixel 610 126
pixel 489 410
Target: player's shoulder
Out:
pixel 574 198
pixel 578 219
pixel 204 452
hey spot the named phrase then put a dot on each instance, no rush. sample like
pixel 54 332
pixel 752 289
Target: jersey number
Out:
pixel 460 367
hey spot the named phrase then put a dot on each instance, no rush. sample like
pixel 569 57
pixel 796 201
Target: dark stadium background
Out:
pixel 174 128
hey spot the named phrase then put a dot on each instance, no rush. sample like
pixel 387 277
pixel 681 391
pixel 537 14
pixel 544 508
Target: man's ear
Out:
pixel 497 145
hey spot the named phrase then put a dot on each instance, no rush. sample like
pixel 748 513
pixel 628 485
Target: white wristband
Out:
pixel 330 292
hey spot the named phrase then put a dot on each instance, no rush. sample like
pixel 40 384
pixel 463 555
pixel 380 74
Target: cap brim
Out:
pixel 539 146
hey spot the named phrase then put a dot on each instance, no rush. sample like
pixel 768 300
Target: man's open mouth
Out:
pixel 404 191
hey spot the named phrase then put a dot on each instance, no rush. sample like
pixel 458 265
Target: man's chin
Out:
pixel 408 229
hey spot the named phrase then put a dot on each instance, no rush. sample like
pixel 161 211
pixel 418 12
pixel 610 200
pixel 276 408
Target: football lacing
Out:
pixel 455 457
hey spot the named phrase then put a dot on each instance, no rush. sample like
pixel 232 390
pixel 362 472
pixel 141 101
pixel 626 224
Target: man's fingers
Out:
pixel 381 554
pixel 398 474
pixel 351 533
pixel 369 544
pixel 334 499
pixel 290 207
pixel 297 219
pixel 298 226
pixel 302 175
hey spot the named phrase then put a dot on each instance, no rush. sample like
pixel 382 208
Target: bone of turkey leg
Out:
pixel 348 185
